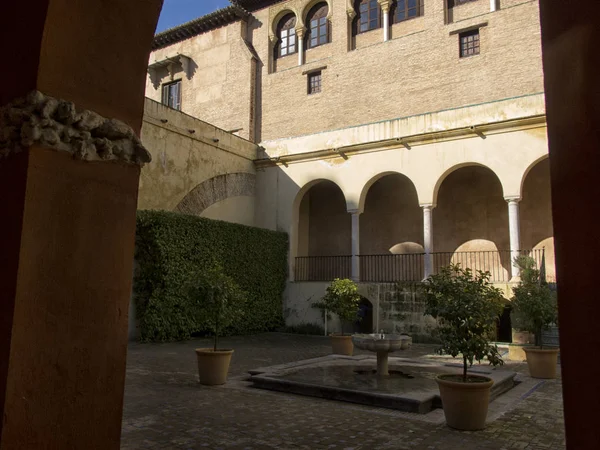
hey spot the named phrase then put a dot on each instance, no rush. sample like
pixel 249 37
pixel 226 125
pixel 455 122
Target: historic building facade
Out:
pixel 390 136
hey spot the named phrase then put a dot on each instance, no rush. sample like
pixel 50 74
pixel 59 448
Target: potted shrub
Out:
pixel 341 298
pixel 220 301
pixel 534 310
pixel 466 307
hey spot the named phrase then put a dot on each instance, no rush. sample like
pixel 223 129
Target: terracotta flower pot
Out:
pixel 213 366
pixel 341 345
pixel 541 362
pixel 465 404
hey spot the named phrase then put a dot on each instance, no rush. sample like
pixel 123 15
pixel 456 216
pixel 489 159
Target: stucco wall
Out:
pixel 210 171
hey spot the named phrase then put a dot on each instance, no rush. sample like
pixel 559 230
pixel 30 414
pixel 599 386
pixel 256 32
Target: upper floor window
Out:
pixel 368 15
pixel 318 25
pixel 171 94
pixel 406 9
pixel 286 32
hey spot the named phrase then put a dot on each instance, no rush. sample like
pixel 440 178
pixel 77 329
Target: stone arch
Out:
pixel 280 15
pixel 215 190
pixel 365 190
pixel 470 221
pixel 312 3
pixel 529 168
pixel 295 223
pixel 454 168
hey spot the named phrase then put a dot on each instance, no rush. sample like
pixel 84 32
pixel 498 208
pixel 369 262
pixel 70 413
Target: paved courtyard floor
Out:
pixel 166 408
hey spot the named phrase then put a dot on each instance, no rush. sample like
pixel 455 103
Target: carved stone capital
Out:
pixel 300 31
pixel 57 124
pixel 350 9
pixel 385 5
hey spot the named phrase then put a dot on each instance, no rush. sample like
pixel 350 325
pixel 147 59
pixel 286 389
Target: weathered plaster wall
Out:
pixel 210 171
pixel 218 89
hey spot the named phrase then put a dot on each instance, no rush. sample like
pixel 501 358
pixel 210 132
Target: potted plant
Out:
pixel 466 307
pixel 534 310
pixel 220 300
pixel 341 298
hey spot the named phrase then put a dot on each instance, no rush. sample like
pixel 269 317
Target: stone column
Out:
pixel 300 32
pixel 355 244
pixel 515 240
pixel 385 9
pixel 428 238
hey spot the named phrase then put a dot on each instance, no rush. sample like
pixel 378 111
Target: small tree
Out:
pixel 221 299
pixel 341 298
pixel 534 304
pixel 466 306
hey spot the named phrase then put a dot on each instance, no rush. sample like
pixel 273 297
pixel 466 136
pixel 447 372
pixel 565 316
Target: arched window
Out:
pixel 406 9
pixel 318 26
pixel 368 15
pixel 286 45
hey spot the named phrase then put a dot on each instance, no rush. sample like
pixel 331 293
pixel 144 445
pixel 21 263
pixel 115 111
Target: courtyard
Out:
pixel 166 408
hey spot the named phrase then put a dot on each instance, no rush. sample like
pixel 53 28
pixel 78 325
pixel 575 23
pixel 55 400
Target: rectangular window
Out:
pixel 453 3
pixel 469 43
pixel 171 95
pixel 314 83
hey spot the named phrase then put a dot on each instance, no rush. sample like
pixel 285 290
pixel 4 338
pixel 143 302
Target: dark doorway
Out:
pixel 365 312
pixel 504 327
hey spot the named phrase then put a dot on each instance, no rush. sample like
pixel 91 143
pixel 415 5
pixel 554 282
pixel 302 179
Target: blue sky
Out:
pixel 176 12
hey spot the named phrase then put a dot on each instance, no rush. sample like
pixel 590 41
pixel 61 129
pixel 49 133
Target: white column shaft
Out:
pixel 515 239
pixel 355 246
pixel 386 26
pixel 428 239
pixel 300 42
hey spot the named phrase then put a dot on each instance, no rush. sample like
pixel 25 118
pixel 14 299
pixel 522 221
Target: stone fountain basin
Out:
pixel 389 343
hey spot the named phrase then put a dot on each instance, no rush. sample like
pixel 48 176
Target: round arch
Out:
pixel 454 168
pixel 528 169
pixel 471 213
pixel 280 15
pixel 365 189
pixel 295 222
pixel 307 7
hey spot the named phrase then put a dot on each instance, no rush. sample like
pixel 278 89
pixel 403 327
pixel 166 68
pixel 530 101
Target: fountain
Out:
pixel 382 344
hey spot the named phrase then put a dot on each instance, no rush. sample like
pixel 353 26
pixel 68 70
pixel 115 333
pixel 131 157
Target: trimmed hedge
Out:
pixel 172 249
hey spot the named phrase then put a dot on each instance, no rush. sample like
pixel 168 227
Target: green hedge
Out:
pixel 172 249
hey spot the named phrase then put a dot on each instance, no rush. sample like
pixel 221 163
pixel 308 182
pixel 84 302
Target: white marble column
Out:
pixel 428 238
pixel 514 231
pixel 355 244
pixel 385 9
pixel 300 44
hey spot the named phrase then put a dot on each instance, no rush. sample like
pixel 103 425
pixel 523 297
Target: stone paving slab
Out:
pixel 166 408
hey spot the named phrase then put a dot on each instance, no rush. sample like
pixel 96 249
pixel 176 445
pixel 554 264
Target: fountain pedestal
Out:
pixel 382 345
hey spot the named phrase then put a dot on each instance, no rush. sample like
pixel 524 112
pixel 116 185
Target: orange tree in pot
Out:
pixel 222 301
pixel 466 307
pixel 534 310
pixel 341 298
